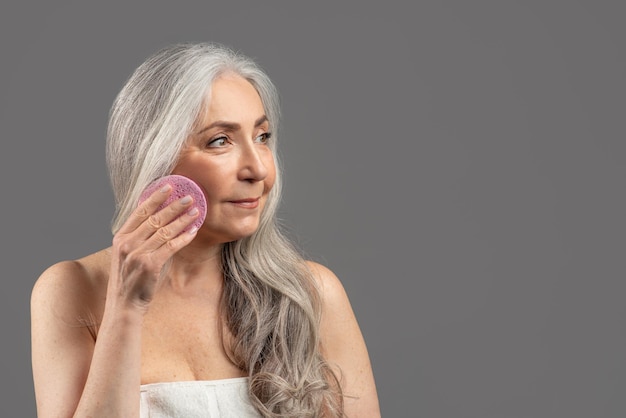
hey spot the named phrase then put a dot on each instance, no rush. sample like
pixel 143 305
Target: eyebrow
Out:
pixel 231 126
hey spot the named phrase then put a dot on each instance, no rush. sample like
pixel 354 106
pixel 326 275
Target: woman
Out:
pixel 224 320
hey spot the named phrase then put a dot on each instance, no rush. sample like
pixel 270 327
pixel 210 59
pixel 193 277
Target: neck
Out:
pixel 196 265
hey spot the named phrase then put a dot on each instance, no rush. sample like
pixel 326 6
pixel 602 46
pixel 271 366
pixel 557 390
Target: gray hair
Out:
pixel 270 301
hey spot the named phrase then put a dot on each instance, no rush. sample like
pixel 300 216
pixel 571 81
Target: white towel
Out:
pixel 226 398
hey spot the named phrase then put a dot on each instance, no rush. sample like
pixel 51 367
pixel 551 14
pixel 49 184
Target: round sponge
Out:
pixel 181 187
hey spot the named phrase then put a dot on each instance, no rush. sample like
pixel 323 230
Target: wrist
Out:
pixel 124 312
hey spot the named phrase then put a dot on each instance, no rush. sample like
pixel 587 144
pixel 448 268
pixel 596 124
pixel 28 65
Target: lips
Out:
pixel 248 203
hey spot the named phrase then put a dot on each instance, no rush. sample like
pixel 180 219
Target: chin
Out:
pixel 246 233
pixel 235 234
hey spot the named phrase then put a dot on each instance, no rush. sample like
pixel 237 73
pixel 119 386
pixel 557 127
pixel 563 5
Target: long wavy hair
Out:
pixel 270 303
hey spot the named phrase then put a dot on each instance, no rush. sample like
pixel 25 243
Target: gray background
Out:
pixel 458 164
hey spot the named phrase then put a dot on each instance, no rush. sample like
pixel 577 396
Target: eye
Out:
pixel 217 142
pixel 263 138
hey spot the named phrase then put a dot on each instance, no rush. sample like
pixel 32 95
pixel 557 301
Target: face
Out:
pixel 228 155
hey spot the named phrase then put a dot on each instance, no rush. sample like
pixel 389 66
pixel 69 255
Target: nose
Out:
pixel 253 163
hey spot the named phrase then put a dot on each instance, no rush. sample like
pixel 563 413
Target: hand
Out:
pixel 145 243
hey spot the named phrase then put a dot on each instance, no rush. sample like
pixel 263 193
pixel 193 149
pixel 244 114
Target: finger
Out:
pixel 173 236
pixel 159 222
pixel 143 211
pixel 172 246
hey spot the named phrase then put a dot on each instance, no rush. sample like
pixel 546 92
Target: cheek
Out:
pixel 271 176
pixel 205 175
pixel 211 193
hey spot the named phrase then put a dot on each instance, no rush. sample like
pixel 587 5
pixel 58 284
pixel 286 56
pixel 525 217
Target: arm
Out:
pixel 75 374
pixel 344 348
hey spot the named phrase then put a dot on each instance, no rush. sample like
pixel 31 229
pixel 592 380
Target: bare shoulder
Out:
pixel 71 289
pixel 329 285
pixel 66 306
pixel 343 346
pixel 337 314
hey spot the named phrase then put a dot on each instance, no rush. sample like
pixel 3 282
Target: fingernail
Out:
pixel 193 230
pixel 166 188
pixel 193 212
pixel 185 200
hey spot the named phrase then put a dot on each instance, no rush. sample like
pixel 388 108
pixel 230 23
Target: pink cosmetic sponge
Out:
pixel 181 187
